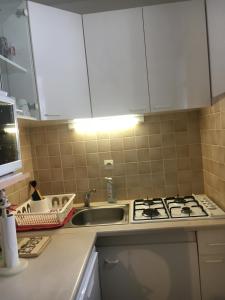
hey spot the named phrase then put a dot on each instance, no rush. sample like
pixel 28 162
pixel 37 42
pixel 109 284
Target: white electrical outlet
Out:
pixel 108 164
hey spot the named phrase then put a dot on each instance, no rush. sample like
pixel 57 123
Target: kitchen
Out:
pixel 177 150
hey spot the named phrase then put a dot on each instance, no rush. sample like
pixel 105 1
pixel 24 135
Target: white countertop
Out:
pixel 57 272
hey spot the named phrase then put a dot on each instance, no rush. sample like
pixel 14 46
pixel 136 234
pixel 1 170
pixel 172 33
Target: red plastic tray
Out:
pixel 44 227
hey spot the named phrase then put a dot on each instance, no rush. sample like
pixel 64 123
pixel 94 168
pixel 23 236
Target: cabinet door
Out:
pixel 20 82
pixel 116 62
pixel 177 57
pixel 216 28
pixel 211 241
pixel 211 247
pixel 90 288
pixel 150 272
pixel 60 64
pixel 212 270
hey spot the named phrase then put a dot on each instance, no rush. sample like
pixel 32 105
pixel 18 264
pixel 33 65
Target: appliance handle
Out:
pixel 162 107
pixel 89 276
pixel 216 244
pixel 111 262
pixel 52 115
pixel 214 261
pixel 137 110
pixel 90 286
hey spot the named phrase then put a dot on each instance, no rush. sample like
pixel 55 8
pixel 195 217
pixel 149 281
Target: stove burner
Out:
pixel 180 200
pixel 189 197
pixel 153 201
pixel 151 212
pixel 147 202
pixel 186 210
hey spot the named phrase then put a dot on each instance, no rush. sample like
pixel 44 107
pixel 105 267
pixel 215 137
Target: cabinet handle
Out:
pixel 214 261
pixel 111 262
pixel 49 115
pixel 138 110
pixel 162 107
pixel 216 244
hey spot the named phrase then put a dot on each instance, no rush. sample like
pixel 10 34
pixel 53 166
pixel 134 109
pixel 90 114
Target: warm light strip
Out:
pixel 10 130
pixel 117 123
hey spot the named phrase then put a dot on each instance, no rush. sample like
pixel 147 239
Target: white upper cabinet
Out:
pixel 116 62
pixel 59 57
pixel 216 29
pixel 177 56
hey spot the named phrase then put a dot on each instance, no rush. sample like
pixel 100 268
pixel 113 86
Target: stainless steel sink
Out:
pixel 101 215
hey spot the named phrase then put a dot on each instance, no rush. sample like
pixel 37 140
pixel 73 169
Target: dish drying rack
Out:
pixel 60 211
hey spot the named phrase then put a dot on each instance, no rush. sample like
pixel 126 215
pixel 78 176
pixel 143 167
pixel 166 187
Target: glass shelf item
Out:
pixel 11 65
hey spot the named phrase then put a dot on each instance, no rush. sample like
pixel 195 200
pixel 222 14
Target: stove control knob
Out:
pixel 212 207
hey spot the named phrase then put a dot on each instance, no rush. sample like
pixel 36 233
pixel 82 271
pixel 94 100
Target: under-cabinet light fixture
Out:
pixel 105 124
pixel 10 129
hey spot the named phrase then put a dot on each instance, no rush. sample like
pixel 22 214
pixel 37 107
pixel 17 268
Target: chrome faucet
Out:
pixel 109 190
pixel 87 197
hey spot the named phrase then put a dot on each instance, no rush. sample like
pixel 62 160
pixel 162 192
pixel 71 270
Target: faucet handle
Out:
pixel 108 179
pixel 88 194
pixel 87 197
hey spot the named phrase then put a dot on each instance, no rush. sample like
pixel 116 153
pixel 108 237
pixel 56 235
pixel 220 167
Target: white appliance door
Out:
pixel 90 287
pixel 150 272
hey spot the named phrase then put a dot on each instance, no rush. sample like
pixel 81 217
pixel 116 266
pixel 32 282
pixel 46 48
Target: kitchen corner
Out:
pixel 64 260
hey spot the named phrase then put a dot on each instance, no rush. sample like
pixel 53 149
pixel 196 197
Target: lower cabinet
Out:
pixel 165 265
pixel 164 271
pixel 212 269
pixel 211 244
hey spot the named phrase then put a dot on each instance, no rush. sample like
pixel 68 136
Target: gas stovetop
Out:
pixel 175 208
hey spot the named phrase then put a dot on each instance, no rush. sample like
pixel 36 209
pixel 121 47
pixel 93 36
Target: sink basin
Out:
pixel 102 215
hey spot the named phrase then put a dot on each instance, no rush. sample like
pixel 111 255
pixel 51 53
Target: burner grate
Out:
pixel 168 208
pixel 151 212
pixel 184 207
pixel 149 209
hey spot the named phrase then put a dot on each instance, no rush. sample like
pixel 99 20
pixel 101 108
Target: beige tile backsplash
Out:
pixel 168 154
pixel 161 156
pixel 212 124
